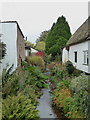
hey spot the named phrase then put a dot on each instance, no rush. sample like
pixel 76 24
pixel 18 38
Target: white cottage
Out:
pixel 78 48
pixel 13 37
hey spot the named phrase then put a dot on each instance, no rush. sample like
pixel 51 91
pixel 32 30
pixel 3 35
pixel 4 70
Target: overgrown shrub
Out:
pixel 71 90
pixel 72 96
pixel 18 108
pixel 11 86
pixel 60 96
pixel 22 88
pixel 24 64
pixel 36 60
pixel 71 109
pixel 53 64
pixel 7 72
pixel 76 72
pixel 47 59
pixel 38 78
pixel 69 67
pixel 20 79
pixel 59 72
pixel 63 84
pixel 79 87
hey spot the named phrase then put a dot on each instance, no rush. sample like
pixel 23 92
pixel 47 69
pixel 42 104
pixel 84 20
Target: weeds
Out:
pixel 71 92
pixel 20 92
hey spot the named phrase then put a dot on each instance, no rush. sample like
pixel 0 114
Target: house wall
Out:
pixel 80 56
pixel 65 55
pixel 26 52
pixel 20 47
pixel 9 31
pixel 0 53
pixel 89 55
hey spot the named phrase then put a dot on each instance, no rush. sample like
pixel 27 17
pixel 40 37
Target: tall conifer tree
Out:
pixel 57 37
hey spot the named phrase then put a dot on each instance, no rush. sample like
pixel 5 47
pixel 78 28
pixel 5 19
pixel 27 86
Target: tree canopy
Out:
pixel 40 46
pixel 58 36
pixel 43 36
pixel 40 42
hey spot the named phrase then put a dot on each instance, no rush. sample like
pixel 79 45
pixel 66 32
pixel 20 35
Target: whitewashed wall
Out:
pixel 89 55
pixel 0 56
pixel 80 56
pixel 9 37
pixel 65 55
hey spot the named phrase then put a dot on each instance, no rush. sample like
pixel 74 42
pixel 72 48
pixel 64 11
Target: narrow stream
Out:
pixel 45 106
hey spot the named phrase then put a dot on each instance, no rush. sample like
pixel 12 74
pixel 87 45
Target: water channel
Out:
pixel 47 111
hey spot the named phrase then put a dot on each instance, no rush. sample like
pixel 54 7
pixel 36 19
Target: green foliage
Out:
pixel 11 86
pixel 24 64
pixel 71 90
pixel 38 78
pixel 28 43
pixel 68 104
pixel 79 86
pixel 79 83
pixel 28 77
pixel 18 108
pixel 66 83
pixel 57 37
pixel 43 36
pixel 47 59
pixel 2 50
pixel 36 60
pixel 58 58
pixel 6 74
pixel 69 67
pixel 20 92
pixel 59 71
pixel 40 46
pixel 72 96
pixel 77 72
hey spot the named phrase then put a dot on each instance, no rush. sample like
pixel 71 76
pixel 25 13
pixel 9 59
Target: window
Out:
pixel 75 54
pixel 86 57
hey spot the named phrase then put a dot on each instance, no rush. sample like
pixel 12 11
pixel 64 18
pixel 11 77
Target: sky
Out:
pixel 36 17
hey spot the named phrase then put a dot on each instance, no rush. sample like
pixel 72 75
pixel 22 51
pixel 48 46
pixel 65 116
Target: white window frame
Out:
pixel 85 55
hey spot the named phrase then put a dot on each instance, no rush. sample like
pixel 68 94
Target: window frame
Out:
pixel 85 60
pixel 75 56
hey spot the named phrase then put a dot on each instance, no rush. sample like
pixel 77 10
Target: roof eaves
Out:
pixel 17 25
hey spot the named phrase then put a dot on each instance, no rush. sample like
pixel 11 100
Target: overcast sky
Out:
pixel 34 18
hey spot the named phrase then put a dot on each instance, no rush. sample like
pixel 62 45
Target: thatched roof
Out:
pixel 82 34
